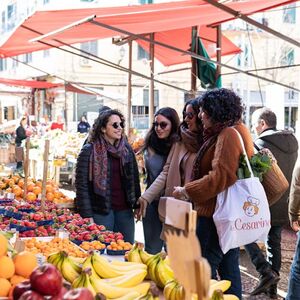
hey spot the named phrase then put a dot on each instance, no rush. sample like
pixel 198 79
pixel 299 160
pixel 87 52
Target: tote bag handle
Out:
pixel 245 153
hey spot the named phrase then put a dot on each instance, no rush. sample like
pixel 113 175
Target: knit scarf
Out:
pixel 210 136
pixel 191 140
pixel 160 146
pixel 99 162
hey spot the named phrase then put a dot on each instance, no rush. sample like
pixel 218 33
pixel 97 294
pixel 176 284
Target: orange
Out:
pixel 4 287
pixel 37 190
pixel 38 183
pixel 30 186
pixel 9 190
pixel 25 263
pixel 17 279
pixel 50 196
pixel 21 183
pixel 3 245
pixel 3 185
pixel 49 188
pixel 31 196
pixel 11 182
pixel 7 269
pixel 57 194
pixel 17 190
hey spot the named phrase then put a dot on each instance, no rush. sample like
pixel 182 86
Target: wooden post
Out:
pixel 129 91
pixel 219 51
pixel 45 173
pixel 194 64
pixel 151 86
pixel 26 166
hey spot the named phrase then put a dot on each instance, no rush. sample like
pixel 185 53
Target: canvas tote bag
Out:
pixel 242 214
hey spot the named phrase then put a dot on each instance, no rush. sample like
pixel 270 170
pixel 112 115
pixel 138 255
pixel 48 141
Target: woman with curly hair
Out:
pixel 178 167
pixel 158 143
pixel 107 179
pixel 215 169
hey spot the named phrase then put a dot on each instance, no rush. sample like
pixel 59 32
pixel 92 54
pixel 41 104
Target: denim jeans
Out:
pixel 152 229
pixel 273 259
pixel 226 265
pixel 294 278
pixel 118 221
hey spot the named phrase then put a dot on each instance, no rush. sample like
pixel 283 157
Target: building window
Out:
pixel 90 47
pixel 3 64
pixel 145 1
pixel 15 62
pixel 11 16
pixel 142 54
pixel 146 98
pixel 3 21
pixel 46 1
pixel 244 58
pixel 289 14
pixel 288 57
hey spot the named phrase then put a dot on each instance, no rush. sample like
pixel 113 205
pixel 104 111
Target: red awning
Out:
pixel 30 83
pixel 137 19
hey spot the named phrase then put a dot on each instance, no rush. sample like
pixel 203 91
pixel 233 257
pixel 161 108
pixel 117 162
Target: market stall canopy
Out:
pixel 139 19
pixel 29 83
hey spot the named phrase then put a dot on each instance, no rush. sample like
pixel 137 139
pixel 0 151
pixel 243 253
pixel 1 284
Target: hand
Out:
pixel 140 213
pixel 179 193
pixel 295 225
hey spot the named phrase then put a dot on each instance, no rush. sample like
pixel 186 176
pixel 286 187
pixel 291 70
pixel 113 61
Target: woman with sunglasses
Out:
pixel 158 143
pixel 107 179
pixel 178 167
pixel 214 170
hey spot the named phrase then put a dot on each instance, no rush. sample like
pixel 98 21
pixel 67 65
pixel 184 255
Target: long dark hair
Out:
pixel 102 121
pixel 196 108
pixel 163 146
pixel 222 106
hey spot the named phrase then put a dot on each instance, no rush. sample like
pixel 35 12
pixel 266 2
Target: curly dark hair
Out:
pixel 172 116
pixel 222 106
pixel 102 121
pixel 195 103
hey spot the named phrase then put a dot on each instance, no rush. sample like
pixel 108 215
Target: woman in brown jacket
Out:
pixel 214 170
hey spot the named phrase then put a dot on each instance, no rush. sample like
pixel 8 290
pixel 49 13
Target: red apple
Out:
pixel 46 280
pixel 79 294
pixel 31 295
pixel 20 289
pixel 60 295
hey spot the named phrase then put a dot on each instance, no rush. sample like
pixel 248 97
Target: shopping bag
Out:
pixel 274 181
pixel 242 213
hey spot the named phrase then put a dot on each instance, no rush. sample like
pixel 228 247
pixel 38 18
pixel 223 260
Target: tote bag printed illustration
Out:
pixel 242 213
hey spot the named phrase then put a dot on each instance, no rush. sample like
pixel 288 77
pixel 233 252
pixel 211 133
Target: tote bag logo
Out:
pixel 250 207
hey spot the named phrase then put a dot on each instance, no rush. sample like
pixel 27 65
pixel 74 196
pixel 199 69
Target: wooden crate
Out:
pixel 4 154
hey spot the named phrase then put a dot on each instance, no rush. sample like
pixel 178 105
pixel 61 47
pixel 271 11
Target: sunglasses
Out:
pixel 116 125
pixel 162 125
pixel 190 115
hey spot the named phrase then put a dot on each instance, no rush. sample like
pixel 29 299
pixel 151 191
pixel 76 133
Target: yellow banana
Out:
pixel 69 269
pixel 79 281
pixel 128 280
pixel 110 291
pixel 163 273
pixel 127 264
pixel 84 281
pixel 88 264
pixel 52 258
pixel 134 254
pixel 179 292
pixel 130 296
pixel 152 264
pixel 222 285
pixel 169 288
pixel 145 256
pixel 217 295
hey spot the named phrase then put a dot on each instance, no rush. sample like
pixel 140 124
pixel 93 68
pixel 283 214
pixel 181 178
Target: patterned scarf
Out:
pixel 191 140
pixel 99 162
pixel 210 136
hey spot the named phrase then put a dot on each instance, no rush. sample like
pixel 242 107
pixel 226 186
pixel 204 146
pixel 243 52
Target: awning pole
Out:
pixel 194 62
pixel 219 51
pixel 151 87
pixel 129 91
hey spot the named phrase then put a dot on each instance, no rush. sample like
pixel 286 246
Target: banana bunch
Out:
pixel 84 281
pixel 173 291
pixel 138 254
pixel 69 269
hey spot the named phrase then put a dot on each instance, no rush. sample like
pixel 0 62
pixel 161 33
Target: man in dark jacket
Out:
pixel 284 146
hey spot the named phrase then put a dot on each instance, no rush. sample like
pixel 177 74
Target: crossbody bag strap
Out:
pixel 245 153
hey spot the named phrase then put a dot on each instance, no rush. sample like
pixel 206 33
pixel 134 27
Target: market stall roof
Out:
pixel 29 83
pixel 139 19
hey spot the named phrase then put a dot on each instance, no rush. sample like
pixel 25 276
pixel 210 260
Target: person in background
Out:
pixel 107 179
pixel 59 124
pixel 20 136
pixel 158 143
pixel 34 128
pixel 44 125
pixel 83 126
pixel 294 216
pixel 284 146
pixel 214 170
